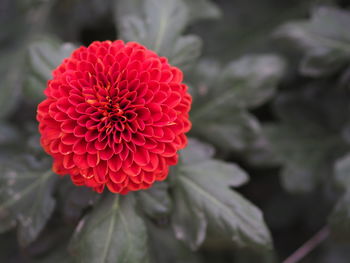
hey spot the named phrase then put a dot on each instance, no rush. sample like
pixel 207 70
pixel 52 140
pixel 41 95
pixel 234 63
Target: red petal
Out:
pixel 133 170
pixel 169 150
pixel 100 172
pixel 91 135
pixel 113 187
pixel 68 161
pixel 149 178
pixel 117 177
pixel 68 126
pixel 115 163
pixel 141 156
pixel 79 147
pixel 93 160
pixel 81 161
pixel 106 154
pixel 101 145
pixel 153 164
pixel 64 149
pixel 138 139
pixel 69 139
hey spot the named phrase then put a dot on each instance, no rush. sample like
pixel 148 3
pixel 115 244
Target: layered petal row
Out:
pixel 115 116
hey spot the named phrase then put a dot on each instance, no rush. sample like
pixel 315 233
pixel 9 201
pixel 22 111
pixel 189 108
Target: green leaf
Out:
pixel 245 83
pixel 340 217
pixel 26 192
pixel 44 55
pixel 162 22
pixel 229 173
pixel 236 131
pixel 251 80
pixel 322 62
pixel 73 200
pixel 155 202
pixel 186 51
pixel 158 27
pixel 202 191
pixel 196 151
pixel 11 81
pixel 307 141
pixel 324 39
pixel 219 112
pixel 162 239
pixel 342 169
pixel 123 9
pixel 202 9
pixel 305 153
pixel 113 231
pixel 204 78
pixel 189 223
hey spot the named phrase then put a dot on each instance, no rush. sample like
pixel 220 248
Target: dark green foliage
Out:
pixel 155 201
pixel 26 196
pixel 309 137
pixel 44 55
pixel 113 231
pixel 208 199
pixel 324 40
pixel 267 163
pixel 158 25
pixel 220 111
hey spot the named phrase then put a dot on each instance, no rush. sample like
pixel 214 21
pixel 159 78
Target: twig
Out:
pixel 307 247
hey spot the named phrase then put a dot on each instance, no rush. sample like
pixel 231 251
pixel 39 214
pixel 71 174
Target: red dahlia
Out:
pixel 115 115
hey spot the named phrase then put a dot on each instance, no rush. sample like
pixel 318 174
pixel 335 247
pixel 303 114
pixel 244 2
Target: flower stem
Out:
pixel 310 245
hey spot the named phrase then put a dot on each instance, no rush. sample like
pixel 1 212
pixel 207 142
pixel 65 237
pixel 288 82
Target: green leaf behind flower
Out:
pixel 324 39
pixel 162 239
pixel 202 9
pixel 112 232
pixel 11 81
pixel 159 27
pixel 202 191
pixel 44 55
pixel 155 202
pixel 223 96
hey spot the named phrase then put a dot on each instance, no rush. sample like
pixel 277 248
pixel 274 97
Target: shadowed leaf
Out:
pixel 44 55
pixel 113 231
pixel 155 201
pixel 324 39
pixel 203 192
pixel 26 192
pixel 159 27
pixel 220 113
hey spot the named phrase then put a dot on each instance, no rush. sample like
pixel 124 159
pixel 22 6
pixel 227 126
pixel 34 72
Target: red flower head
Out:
pixel 115 115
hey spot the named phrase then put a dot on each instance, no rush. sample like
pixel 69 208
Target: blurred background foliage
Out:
pixel 270 82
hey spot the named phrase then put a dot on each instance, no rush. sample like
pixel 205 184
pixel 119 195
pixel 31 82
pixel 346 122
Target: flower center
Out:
pixel 112 110
pixel 112 114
